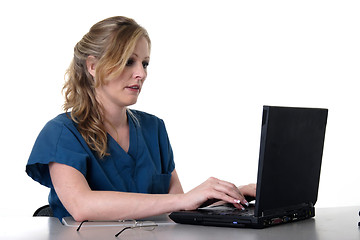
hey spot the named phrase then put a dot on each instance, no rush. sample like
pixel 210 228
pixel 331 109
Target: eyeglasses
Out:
pixel 130 224
pixel 144 225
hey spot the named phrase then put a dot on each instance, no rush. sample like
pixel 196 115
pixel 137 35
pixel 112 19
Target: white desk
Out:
pixel 329 223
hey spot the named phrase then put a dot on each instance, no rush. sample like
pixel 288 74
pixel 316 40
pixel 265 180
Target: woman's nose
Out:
pixel 140 72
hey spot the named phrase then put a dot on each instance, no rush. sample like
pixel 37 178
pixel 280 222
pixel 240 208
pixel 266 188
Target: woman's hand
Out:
pixel 213 190
pixel 249 191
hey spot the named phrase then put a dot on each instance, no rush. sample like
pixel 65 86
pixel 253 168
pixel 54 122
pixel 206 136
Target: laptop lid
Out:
pixel 291 148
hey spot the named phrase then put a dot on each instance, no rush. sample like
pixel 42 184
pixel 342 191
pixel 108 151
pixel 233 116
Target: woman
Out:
pixel 103 161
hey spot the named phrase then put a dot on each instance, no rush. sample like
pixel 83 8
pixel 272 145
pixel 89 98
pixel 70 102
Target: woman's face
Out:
pixel 123 90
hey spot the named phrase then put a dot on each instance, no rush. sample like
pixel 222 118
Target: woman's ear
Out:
pixel 91 65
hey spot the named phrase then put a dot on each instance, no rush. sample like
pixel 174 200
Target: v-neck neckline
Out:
pixel 132 138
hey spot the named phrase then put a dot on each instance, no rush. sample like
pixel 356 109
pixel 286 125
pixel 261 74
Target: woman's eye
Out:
pixel 145 64
pixel 130 62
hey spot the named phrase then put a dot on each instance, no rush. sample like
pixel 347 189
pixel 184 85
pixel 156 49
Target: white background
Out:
pixel 213 65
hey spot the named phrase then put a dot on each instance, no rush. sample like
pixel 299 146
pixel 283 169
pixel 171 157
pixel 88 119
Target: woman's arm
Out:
pixel 175 185
pixel 85 204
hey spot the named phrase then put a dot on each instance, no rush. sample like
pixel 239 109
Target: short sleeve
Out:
pixel 166 149
pixel 59 143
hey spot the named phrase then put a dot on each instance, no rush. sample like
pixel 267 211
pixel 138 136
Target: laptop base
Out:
pixel 230 218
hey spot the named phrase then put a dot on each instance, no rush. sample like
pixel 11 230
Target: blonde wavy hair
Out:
pixel 112 42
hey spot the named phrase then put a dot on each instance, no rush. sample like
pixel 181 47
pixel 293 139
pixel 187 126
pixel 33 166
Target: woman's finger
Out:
pixel 228 192
pixel 231 190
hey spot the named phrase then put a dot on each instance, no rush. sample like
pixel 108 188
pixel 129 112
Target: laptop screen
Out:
pixel 291 148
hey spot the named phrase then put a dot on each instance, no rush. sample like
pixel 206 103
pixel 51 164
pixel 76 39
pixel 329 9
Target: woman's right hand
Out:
pixel 211 190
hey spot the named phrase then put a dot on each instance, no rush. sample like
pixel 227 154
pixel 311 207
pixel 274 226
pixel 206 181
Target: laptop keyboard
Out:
pixel 228 210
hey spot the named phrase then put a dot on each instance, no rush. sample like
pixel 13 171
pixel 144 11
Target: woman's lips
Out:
pixel 134 88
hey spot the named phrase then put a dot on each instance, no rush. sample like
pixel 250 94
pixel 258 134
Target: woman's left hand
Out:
pixel 248 190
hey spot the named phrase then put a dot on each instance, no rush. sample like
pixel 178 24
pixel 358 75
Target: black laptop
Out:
pixel 291 148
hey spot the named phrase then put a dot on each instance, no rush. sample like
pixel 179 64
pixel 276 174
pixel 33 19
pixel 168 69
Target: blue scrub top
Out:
pixel 145 168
